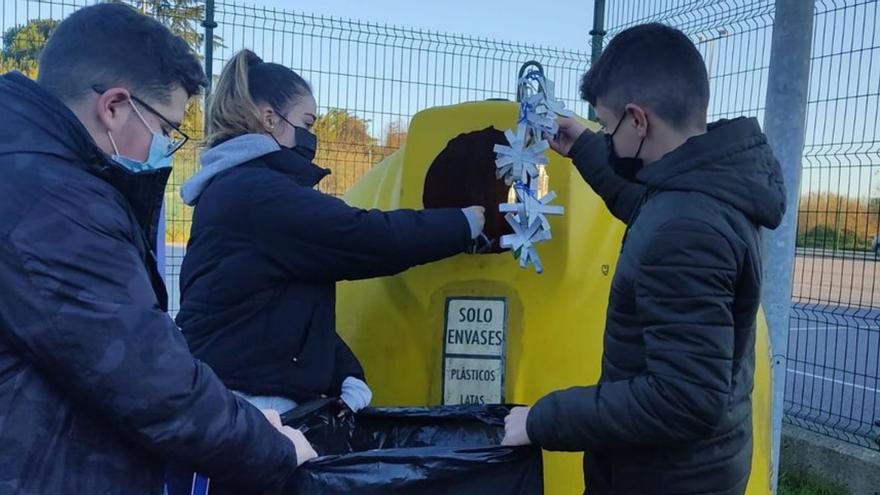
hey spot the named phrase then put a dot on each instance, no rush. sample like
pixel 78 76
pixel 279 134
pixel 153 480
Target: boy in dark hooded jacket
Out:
pixel 672 410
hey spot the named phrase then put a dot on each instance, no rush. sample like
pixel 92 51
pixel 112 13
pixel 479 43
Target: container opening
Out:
pixel 463 175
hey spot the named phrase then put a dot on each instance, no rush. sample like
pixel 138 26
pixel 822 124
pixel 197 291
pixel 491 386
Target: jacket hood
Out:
pixel 36 122
pixel 243 149
pixel 731 162
pixel 224 156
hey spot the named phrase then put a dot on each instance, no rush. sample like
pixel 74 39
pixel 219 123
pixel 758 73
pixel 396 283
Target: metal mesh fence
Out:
pixel 833 365
pixel 369 79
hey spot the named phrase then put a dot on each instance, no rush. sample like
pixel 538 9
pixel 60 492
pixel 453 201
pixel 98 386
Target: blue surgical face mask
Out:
pixel 157 158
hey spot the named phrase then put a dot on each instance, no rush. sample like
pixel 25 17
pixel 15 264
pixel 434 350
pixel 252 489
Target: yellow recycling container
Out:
pixel 476 328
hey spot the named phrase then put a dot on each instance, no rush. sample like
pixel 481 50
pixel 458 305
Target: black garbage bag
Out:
pixel 328 426
pixel 424 451
pixel 452 450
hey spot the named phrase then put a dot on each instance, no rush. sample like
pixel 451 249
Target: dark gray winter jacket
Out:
pixel 672 411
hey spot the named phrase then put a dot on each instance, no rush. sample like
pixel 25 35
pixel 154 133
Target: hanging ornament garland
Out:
pixel 519 165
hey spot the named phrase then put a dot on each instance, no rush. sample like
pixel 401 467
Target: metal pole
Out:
pixel 784 124
pixel 597 34
pixel 209 24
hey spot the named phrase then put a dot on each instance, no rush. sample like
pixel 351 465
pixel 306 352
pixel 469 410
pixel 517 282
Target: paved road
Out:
pixel 837 280
pixel 830 253
pixel 833 374
pixel 833 371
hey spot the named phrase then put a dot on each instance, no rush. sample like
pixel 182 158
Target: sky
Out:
pixel 566 24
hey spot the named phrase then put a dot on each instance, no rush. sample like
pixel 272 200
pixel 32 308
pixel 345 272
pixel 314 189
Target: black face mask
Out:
pixel 306 142
pixel 627 168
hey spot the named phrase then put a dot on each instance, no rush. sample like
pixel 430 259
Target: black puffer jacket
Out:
pixel 672 411
pixel 259 278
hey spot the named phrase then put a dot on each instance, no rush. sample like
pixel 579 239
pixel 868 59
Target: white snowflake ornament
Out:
pixel 532 208
pixel 522 241
pixel 518 161
pixel 542 122
pixel 553 104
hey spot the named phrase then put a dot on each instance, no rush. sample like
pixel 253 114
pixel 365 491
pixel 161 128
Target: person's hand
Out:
pixel 356 394
pixel 515 434
pixel 476 217
pixel 569 132
pixel 304 450
pixel 343 409
pixel 272 416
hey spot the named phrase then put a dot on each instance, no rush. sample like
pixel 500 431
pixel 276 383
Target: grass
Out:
pixel 801 484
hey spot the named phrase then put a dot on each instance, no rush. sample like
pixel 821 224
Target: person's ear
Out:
pixel 268 118
pixel 112 108
pixel 639 119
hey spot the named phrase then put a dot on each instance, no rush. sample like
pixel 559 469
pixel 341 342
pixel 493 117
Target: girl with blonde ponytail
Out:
pixel 233 110
pixel 266 248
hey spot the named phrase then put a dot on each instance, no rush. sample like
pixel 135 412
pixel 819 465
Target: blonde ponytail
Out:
pixel 231 108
